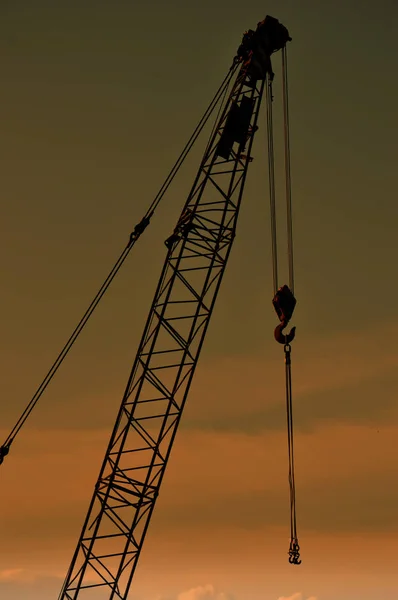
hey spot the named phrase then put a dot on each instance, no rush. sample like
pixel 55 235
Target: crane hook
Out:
pixel 284 338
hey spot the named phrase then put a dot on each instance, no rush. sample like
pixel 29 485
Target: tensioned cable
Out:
pixel 193 138
pixel 138 230
pixel 294 549
pixel 271 180
pixel 288 178
pixel 224 96
pixel 284 300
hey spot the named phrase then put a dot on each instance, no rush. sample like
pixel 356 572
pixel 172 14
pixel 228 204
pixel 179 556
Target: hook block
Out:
pixel 284 303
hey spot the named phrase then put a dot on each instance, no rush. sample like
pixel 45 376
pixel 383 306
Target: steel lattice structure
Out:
pixel 197 253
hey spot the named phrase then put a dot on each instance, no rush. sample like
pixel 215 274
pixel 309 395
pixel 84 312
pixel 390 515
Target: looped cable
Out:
pixel 294 551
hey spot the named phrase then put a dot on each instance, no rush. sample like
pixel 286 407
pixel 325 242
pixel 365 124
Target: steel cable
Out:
pixel 288 178
pixel 140 227
pixel 294 550
pixel 271 181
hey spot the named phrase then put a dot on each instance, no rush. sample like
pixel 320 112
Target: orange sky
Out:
pixel 96 106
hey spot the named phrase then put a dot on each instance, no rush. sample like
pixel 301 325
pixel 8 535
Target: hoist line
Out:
pixel 271 183
pixel 4 449
pixel 294 550
pixel 289 415
pixel 288 179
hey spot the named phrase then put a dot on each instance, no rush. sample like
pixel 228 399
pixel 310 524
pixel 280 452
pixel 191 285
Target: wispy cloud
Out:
pixel 332 380
pixel 297 596
pixel 205 592
pixel 23 576
pixel 334 377
pixel 10 574
pixel 343 482
pixel 201 592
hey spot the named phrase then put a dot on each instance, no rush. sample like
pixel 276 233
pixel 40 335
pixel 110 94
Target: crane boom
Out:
pixel 128 485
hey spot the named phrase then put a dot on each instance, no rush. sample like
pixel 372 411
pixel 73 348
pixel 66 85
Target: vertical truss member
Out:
pixel 197 252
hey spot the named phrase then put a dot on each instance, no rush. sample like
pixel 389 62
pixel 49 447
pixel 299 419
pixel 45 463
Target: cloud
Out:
pixel 201 592
pixel 28 576
pixel 297 596
pixel 344 483
pixel 10 574
pixel 331 381
pixel 27 583
pixel 206 592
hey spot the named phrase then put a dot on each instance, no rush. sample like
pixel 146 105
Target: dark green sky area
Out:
pixel 98 100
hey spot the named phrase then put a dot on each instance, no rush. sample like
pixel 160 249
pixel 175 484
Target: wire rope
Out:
pixel 138 230
pixel 284 300
pixel 288 178
pixel 271 181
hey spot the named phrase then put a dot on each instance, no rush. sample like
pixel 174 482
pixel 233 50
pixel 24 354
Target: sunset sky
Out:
pixel 98 99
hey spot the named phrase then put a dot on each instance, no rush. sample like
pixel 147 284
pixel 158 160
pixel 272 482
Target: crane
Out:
pixel 197 252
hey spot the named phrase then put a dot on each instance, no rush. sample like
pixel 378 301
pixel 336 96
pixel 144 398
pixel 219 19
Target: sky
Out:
pixel 98 99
